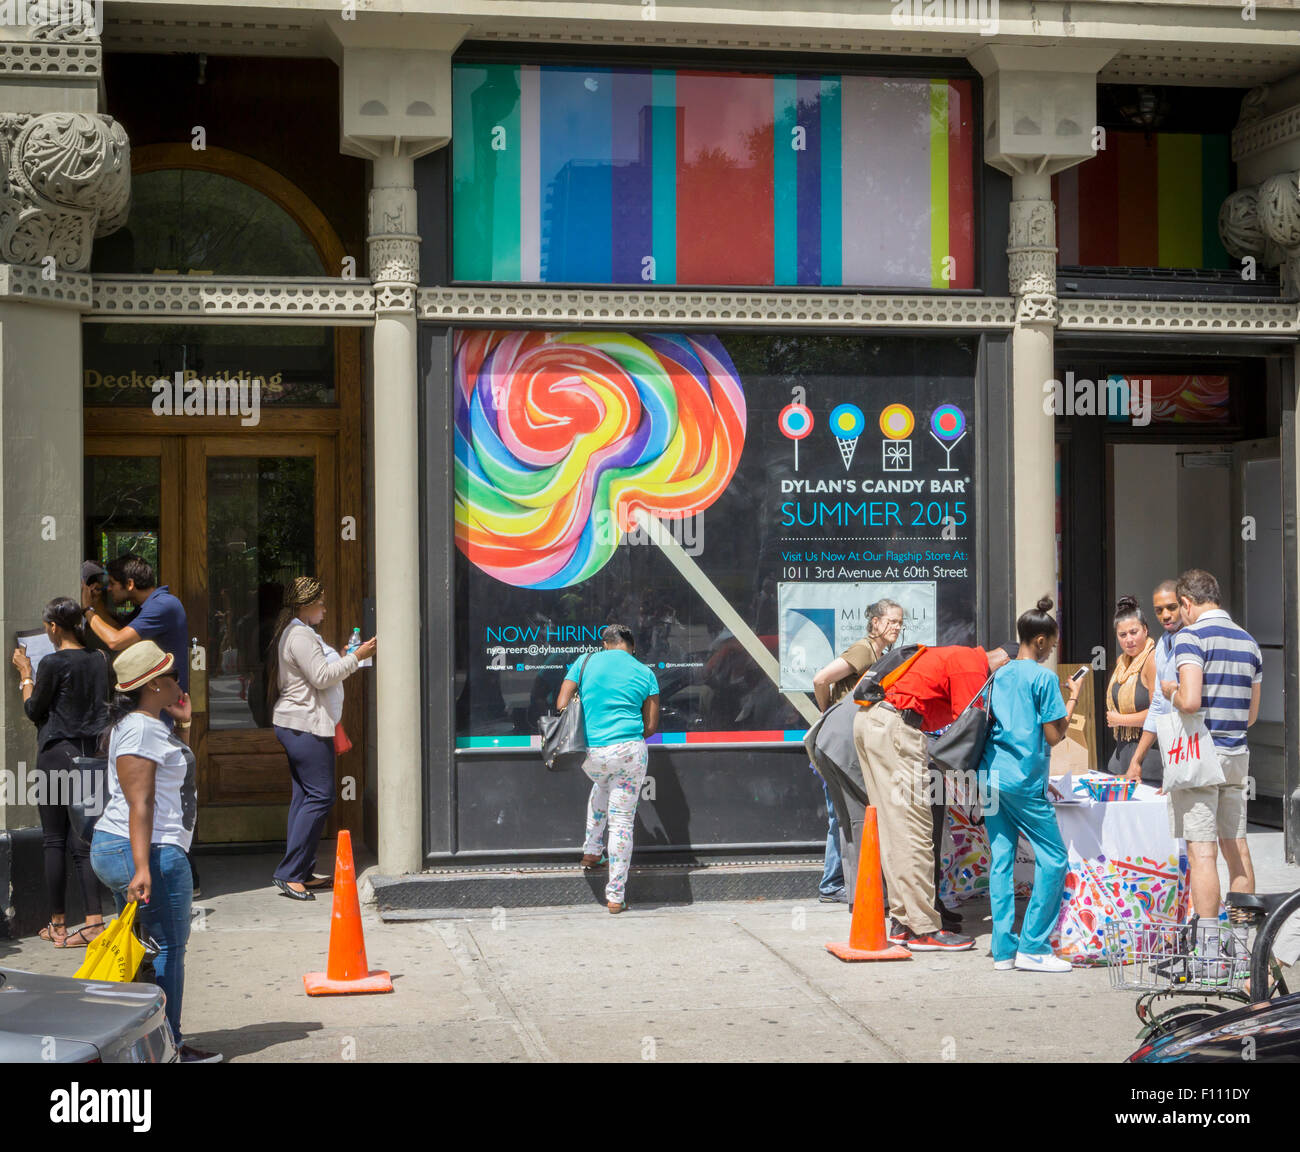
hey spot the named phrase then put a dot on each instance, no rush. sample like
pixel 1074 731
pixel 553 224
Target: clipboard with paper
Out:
pixel 35 642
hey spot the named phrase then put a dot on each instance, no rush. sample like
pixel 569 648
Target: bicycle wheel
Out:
pixel 1262 984
pixel 1174 1018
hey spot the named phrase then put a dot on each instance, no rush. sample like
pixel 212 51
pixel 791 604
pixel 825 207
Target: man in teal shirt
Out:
pixel 620 708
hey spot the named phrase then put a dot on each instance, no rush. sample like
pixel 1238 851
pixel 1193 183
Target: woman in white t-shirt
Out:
pixel 139 850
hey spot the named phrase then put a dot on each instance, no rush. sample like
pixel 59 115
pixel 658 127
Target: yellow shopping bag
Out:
pixel 114 954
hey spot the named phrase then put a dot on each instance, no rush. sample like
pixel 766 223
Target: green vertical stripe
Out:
pixel 1216 171
pixel 1178 199
pixel 938 182
pixel 485 172
pixel 785 198
pixel 663 177
pixel 831 162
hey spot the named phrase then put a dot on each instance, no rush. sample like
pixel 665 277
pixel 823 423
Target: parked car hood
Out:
pixel 1272 1028
pixel 68 1009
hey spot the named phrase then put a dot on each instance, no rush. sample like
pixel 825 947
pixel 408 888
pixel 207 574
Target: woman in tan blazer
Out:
pixel 305 697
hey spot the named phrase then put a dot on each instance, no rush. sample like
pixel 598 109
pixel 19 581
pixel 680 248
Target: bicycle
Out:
pixel 1167 964
pixel 1267 913
pixel 1213 961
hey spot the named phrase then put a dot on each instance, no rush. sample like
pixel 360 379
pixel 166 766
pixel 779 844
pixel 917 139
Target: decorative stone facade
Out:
pixel 65 170
pixel 65 178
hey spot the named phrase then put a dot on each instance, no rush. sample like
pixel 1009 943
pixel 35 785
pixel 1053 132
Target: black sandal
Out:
pixel 47 933
pixel 79 939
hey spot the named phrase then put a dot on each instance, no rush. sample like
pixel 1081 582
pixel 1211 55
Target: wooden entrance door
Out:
pixel 229 521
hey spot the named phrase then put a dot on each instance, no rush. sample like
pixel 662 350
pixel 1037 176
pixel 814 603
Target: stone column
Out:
pixel 1031 253
pixel 394 267
pixel 394 106
pixel 64 180
pixel 1040 109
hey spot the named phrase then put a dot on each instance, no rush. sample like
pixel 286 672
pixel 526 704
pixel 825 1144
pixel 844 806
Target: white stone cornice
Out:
pixel 163 299
pixel 1218 317
pixel 49 60
pixel 684 308
pixel 1256 136
pixel 65 289
pixel 160 299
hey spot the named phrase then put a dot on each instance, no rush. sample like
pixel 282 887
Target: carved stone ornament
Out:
pixel 1279 209
pixel 394 247
pixel 1239 227
pixel 1031 248
pixel 394 298
pixel 1036 301
pixel 394 259
pixel 65 178
pixel 66 21
pixel 1252 105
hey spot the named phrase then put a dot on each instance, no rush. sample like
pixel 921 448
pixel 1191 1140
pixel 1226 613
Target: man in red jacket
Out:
pixel 892 748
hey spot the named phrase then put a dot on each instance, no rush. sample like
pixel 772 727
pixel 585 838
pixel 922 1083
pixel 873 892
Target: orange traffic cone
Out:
pixel 346 970
pixel 867 939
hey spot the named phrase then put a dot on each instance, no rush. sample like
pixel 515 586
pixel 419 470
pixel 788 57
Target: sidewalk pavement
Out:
pixel 739 981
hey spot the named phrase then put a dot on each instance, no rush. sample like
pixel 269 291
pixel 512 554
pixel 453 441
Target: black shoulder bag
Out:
pixel 564 737
pixel 962 744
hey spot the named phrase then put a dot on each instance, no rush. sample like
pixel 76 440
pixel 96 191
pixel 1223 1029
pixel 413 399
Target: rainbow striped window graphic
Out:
pixel 678 176
pixel 1145 201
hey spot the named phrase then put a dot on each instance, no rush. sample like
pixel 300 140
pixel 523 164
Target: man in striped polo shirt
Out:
pixel 1220 671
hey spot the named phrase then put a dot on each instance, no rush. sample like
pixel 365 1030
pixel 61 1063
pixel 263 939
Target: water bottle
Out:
pixel 353 643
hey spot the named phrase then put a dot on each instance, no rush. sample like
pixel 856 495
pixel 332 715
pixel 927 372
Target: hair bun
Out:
pixel 1045 604
pixel 1126 604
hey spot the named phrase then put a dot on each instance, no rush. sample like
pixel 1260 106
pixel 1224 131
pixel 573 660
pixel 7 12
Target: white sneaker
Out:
pixel 1047 963
pixel 1003 965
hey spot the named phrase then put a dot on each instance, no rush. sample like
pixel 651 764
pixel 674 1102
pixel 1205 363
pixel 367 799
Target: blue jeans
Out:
pixel 833 869
pixel 1008 817
pixel 166 917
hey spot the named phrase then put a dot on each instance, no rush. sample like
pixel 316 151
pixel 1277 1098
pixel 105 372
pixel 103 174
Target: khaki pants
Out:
pixel 895 766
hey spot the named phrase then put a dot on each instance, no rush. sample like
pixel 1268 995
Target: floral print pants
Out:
pixel 617 772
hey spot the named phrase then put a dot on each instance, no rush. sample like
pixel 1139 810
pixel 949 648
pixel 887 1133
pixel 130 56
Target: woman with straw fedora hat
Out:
pixel 141 842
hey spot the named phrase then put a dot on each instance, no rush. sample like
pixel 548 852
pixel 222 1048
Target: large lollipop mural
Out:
pixel 566 442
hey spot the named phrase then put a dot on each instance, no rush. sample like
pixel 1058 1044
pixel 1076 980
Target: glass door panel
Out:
pixel 261 534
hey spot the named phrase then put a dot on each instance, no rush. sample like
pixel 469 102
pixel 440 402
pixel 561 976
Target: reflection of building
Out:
pixel 832 225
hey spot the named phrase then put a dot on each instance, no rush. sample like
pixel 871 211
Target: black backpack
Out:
pixel 884 673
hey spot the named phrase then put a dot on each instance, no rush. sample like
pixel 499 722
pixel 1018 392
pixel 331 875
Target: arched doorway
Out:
pixel 236 478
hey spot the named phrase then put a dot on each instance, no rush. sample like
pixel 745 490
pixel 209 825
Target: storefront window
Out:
pixel 122 364
pixel 188 222
pixel 682 176
pixel 794 479
pixel 1145 200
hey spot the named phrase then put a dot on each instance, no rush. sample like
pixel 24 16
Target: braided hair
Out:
pixel 303 590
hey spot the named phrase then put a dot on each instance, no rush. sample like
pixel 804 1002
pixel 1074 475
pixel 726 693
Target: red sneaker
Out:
pixel 940 942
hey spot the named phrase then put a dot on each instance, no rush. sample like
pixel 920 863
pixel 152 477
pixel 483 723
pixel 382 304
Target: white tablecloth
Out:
pixel 1124 864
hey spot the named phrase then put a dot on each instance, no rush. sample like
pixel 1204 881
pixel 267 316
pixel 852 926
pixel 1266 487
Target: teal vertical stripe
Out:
pixel 1216 169
pixel 485 172
pixel 664 175
pixel 832 204
pixel 785 189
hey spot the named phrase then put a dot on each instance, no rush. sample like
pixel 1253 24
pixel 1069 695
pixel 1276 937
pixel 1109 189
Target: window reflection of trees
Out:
pixel 261 534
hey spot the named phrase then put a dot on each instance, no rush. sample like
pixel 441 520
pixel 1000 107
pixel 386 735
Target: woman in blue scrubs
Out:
pixel 1028 717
